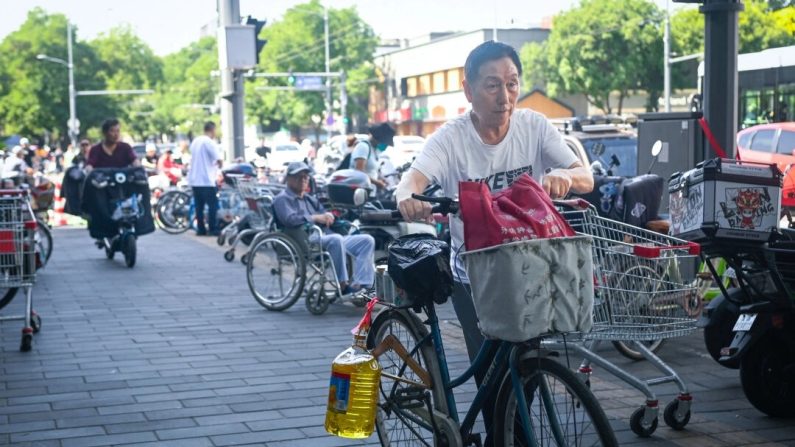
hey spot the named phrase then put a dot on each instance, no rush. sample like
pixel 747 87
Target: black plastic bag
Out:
pixel 419 264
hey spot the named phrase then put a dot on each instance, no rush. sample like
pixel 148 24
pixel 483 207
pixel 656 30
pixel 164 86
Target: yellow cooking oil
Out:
pixel 353 392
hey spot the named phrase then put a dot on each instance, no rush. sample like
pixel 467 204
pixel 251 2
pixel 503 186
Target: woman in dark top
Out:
pixel 111 153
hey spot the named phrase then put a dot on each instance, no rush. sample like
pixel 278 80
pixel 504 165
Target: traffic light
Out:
pixel 259 44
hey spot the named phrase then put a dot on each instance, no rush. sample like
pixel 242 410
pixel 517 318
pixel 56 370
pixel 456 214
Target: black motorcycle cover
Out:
pixel 104 188
pixel 641 199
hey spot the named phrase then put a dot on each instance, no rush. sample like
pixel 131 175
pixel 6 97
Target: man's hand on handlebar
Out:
pixel 557 183
pixel 412 209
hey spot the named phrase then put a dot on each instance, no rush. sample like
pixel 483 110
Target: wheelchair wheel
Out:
pixel 317 300
pixel 276 272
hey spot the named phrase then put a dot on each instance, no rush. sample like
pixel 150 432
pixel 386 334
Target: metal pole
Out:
pixel 667 60
pixel 72 92
pixel 343 102
pixel 232 88
pixel 329 112
pixel 721 41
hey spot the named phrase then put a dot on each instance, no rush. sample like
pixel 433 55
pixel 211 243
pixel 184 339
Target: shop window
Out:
pixel 424 86
pixel 411 87
pixel 453 80
pixel 439 85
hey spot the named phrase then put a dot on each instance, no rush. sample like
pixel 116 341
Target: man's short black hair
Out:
pixel 108 123
pixel 489 51
pixel 208 126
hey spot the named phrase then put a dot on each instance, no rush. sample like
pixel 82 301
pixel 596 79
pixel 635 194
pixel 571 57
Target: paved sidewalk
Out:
pixel 177 352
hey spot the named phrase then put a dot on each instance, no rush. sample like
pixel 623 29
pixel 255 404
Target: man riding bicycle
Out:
pixel 493 143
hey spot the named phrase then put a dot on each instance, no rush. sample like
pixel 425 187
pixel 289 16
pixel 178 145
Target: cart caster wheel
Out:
pixel 317 301
pixel 35 322
pixel 229 256
pixel 637 426
pixel 244 259
pixel 27 341
pixel 674 420
pixel 109 252
pixel 221 239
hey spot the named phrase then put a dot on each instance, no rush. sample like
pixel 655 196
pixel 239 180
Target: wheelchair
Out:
pixel 286 263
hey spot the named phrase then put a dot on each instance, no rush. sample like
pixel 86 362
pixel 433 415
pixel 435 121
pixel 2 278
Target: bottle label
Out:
pixel 339 389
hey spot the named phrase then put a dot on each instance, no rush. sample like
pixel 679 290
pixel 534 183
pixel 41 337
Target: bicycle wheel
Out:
pixel 562 410
pixel 402 418
pixel 637 289
pixel 173 212
pixel 275 271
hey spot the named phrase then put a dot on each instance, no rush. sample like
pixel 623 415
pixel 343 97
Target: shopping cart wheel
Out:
pixel 675 418
pixel 27 340
pixel 229 255
pixel 644 430
pixel 35 322
pixel 221 239
pixel 244 259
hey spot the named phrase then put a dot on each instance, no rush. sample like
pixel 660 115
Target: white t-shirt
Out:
pixel 363 149
pixel 203 162
pixel 456 153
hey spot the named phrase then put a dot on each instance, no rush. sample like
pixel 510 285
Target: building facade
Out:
pixel 422 80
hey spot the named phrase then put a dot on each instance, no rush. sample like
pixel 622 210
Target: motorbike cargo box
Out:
pixel 237 170
pixel 344 183
pixel 725 199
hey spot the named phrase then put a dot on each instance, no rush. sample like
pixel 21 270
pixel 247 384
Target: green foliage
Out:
pixel 296 44
pixel 599 47
pixel 761 26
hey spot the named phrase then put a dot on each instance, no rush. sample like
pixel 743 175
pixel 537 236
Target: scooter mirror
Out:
pixel 656 148
pixel 359 196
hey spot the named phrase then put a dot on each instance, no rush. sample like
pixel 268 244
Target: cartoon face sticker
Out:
pixel 748 202
pixel 677 207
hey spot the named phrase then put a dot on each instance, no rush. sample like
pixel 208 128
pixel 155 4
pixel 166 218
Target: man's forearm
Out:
pixel 581 179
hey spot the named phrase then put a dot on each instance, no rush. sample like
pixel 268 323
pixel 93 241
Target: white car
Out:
pixel 283 154
pixel 404 150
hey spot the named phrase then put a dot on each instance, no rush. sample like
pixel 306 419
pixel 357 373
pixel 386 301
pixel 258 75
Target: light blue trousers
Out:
pixel 361 248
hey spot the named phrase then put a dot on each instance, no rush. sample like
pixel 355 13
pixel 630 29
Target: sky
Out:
pixel 168 25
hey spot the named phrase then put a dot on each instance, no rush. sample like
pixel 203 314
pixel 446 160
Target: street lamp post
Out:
pixel 72 124
pixel 329 112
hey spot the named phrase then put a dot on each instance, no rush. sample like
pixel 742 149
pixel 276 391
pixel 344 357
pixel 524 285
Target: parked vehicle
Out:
pixel 283 154
pixel 405 149
pixel 768 143
pixel 609 144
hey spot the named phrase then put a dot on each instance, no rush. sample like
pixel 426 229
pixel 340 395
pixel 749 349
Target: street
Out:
pixel 177 352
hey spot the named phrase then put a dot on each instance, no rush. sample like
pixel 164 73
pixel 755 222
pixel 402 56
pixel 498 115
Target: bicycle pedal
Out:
pixel 410 397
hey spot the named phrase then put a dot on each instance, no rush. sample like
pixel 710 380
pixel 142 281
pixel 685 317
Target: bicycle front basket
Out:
pixel 419 264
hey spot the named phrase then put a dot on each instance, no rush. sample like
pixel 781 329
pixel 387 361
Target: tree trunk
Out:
pixel 621 101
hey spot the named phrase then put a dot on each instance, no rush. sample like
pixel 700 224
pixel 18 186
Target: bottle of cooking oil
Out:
pixel 353 392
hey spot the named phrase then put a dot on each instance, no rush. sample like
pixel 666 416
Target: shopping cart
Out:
pixel 18 256
pixel 257 217
pixel 640 296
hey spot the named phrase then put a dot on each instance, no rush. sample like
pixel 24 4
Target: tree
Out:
pixel 127 63
pixel 759 28
pixel 34 95
pixel 186 98
pixel 600 47
pixel 296 44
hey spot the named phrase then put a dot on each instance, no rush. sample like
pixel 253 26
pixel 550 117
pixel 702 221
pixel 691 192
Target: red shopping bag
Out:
pixel 522 211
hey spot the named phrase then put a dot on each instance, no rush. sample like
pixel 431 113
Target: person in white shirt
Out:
pixel 205 161
pixel 493 143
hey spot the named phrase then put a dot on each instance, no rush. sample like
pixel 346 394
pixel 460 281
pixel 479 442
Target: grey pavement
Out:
pixel 177 352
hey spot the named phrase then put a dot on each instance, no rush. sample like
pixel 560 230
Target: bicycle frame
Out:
pixel 493 355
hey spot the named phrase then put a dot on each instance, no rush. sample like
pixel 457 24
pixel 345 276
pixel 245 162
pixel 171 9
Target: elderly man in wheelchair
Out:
pixel 296 211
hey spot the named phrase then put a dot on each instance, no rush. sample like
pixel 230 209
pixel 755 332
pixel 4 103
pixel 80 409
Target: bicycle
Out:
pixel 538 400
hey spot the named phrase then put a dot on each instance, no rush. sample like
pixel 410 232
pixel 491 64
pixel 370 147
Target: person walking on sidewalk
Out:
pixel 205 162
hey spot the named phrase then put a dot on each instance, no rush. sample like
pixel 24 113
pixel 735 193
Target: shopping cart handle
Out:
pixel 575 204
pixel 651 252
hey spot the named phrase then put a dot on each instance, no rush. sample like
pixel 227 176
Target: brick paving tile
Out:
pixel 176 352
